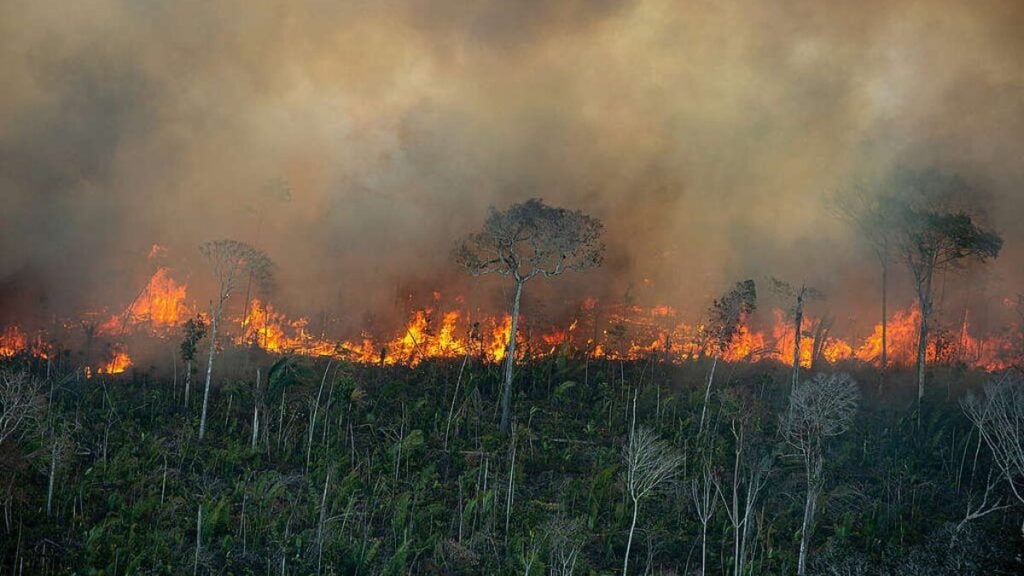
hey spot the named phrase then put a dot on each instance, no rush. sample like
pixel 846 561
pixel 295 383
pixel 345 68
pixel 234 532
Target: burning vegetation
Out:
pixel 596 330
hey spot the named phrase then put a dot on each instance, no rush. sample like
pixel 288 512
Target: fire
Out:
pixel 12 342
pixel 266 328
pixel 118 364
pixel 500 339
pixel 744 345
pixel 445 329
pixel 901 340
pixel 161 304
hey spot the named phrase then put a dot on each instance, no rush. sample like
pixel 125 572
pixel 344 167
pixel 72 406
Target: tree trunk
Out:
pixel 703 548
pixel 707 392
pixel 209 367
pixel 922 354
pixel 53 474
pixel 629 541
pixel 256 412
pixel 188 379
pixel 798 320
pixel 885 323
pixel 199 538
pixel 924 298
pixel 510 360
pixel 805 531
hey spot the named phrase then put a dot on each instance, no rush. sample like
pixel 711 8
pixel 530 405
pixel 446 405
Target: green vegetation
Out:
pixel 358 470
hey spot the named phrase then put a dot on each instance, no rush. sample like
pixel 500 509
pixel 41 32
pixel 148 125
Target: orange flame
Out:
pixel 118 364
pixel 161 304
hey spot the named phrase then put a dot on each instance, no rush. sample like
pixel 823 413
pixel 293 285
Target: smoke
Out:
pixel 356 141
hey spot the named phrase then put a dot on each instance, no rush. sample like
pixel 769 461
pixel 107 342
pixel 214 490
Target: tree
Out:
pixel 231 261
pixel 725 317
pixel 818 410
pixel 999 418
pixel 648 463
pixel 875 225
pixel 800 297
pixel 703 489
pixel 194 330
pixel 566 538
pixel 933 236
pixel 524 241
pixel 21 404
pixel 751 470
pixel 62 444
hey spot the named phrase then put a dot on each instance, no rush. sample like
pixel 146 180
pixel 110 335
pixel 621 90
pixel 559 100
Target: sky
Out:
pixel 356 141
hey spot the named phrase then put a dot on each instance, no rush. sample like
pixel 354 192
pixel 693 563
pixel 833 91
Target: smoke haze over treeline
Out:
pixel 356 141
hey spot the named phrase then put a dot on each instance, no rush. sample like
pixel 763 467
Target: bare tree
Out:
pixel 725 317
pixel 566 538
pixel 704 489
pixel 62 447
pixel 524 241
pixel 999 418
pixel 21 404
pixel 800 297
pixel 818 410
pixel 750 474
pixel 231 261
pixel 648 462
pixel 932 238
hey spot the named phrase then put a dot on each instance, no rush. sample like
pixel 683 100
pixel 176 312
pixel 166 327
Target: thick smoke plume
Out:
pixel 355 141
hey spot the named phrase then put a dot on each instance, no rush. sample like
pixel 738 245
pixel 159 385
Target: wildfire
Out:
pixel 118 364
pixel 161 304
pixel 14 341
pixel 599 330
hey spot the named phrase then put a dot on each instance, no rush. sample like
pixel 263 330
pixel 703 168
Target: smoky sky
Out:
pixel 356 141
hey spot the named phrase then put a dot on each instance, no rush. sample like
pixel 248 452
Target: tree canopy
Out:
pixel 530 239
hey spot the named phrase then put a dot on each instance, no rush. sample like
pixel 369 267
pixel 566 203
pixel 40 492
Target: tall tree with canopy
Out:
pixel 232 261
pixel 933 236
pixel 527 240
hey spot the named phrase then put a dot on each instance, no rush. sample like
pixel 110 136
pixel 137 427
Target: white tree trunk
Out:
pixel 209 369
pixel 629 541
pixel 256 412
pixel 53 474
pixel 707 392
pixel 510 360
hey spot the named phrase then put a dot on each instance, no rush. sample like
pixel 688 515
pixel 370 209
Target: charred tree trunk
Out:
pixel 821 331
pixel 924 298
pixel 510 360
pixel 798 320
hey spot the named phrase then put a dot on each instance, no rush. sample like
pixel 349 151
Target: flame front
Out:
pixel 598 330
